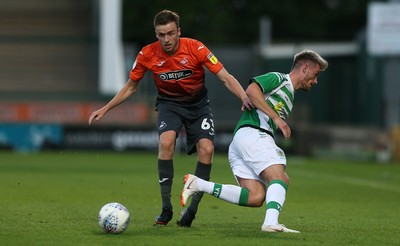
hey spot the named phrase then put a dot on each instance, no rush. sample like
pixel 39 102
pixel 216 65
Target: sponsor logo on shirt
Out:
pixel 212 58
pixel 280 109
pixel 175 75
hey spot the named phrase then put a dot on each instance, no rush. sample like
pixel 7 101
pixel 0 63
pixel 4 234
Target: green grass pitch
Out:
pixel 54 198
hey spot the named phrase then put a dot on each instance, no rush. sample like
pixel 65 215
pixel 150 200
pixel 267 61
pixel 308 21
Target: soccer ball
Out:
pixel 113 218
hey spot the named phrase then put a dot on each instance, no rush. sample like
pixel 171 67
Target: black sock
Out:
pixel 166 176
pixel 202 171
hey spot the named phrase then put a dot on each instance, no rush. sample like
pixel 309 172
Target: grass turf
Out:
pixel 53 199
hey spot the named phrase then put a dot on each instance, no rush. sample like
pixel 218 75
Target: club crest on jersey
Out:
pixel 213 59
pixel 184 61
pixel 175 75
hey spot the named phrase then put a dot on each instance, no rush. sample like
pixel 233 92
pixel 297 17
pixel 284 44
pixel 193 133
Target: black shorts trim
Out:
pixel 258 128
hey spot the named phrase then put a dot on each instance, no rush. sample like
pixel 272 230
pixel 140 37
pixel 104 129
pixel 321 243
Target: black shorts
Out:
pixel 197 119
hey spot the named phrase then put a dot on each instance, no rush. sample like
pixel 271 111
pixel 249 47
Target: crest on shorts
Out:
pixel 280 153
pixel 162 125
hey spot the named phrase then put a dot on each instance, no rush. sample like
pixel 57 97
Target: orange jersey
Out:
pixel 179 77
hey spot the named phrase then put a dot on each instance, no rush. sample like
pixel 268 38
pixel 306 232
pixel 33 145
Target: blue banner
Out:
pixel 30 137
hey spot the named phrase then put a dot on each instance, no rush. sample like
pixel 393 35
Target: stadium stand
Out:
pixel 47 46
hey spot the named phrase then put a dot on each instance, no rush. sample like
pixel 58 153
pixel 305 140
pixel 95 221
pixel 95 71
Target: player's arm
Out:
pixel 257 98
pixel 234 86
pixel 129 89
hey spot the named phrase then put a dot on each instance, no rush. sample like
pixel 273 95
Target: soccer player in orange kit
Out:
pixel 177 65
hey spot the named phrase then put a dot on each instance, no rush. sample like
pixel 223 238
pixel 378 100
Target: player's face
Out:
pixel 311 72
pixel 168 35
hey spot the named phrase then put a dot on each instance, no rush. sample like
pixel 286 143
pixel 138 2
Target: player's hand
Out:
pixel 246 103
pixel 283 126
pixel 96 115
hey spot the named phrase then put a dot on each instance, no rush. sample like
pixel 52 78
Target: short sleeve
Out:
pixel 139 68
pixel 206 57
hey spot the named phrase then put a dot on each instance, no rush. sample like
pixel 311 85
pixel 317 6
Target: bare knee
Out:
pixel 275 172
pixel 166 145
pixel 256 191
pixel 166 148
pixel 205 150
pixel 256 199
pixel 285 179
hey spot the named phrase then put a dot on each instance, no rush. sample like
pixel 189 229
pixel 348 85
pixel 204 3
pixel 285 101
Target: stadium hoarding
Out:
pixel 25 137
pixel 73 113
pixel 125 138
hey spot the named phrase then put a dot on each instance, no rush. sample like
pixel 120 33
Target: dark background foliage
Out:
pixel 237 21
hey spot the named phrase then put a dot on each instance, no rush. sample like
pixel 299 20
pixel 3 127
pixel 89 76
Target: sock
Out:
pixel 275 199
pixel 231 193
pixel 166 176
pixel 202 171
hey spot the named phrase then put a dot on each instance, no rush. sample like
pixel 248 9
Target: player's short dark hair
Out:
pixel 309 55
pixel 166 16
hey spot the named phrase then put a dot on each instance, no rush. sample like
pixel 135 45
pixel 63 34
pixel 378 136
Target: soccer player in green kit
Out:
pixel 257 163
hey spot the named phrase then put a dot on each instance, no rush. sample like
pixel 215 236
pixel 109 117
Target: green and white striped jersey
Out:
pixel 278 93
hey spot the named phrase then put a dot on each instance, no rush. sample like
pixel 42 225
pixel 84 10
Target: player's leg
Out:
pixel 278 182
pixel 250 193
pixel 205 150
pixel 168 124
pixel 276 192
pixel 200 139
pixel 166 175
pixel 252 190
pixel 260 154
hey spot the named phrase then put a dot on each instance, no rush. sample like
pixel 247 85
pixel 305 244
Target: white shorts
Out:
pixel 251 152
